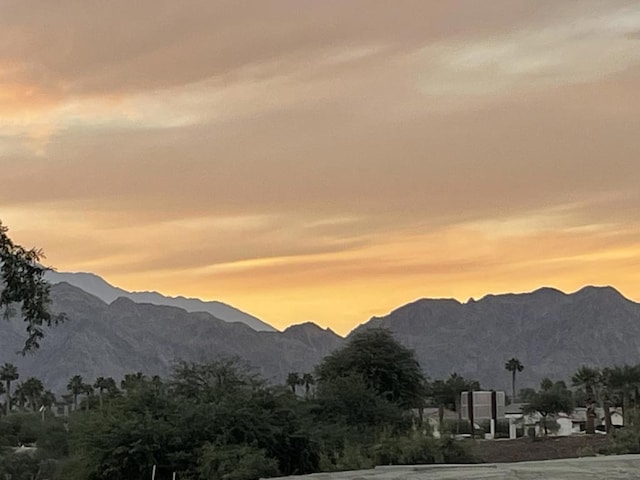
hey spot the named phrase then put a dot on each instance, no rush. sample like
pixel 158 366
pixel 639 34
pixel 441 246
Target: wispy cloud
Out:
pixel 585 48
pixel 322 160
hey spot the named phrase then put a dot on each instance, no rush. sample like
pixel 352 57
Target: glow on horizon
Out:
pixel 325 164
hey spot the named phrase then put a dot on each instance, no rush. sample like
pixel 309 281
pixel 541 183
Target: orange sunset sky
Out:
pixel 325 160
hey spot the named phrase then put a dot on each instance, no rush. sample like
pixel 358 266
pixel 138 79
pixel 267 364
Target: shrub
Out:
pixel 235 462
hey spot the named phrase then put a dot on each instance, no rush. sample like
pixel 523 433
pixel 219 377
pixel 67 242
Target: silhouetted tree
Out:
pixel 514 366
pixel 553 398
pixel 588 378
pixel 8 373
pixel 76 388
pixel 23 284
pixel 293 380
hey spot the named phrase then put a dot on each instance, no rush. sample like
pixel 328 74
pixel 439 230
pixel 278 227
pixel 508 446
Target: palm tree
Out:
pixel 455 385
pixel 624 380
pixel 75 387
pixel 20 395
pixel 8 373
pixel 307 380
pixel 33 390
pixel 588 378
pixel 87 389
pixel 132 380
pixel 605 397
pixel 101 385
pixel 293 380
pixel 48 399
pixel 514 366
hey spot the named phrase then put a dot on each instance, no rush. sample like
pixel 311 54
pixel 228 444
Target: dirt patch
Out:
pixel 549 448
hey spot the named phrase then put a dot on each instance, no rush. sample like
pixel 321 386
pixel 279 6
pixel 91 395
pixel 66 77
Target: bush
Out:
pixel 26 467
pixel 453 451
pixel 20 428
pixel 234 462
pixel 353 457
pixel 417 449
pixel 405 450
pixel 625 441
pixel 53 438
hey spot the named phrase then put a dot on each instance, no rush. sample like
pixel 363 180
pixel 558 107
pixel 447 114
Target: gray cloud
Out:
pixel 178 136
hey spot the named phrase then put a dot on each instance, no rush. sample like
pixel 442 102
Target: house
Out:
pixel 568 424
pixel 61 409
pixel 519 421
pixel 617 419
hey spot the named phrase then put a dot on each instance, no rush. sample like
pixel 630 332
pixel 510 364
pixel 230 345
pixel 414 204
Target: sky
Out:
pixel 325 160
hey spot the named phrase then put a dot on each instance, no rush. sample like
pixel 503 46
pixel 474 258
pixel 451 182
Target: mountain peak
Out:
pixel 97 286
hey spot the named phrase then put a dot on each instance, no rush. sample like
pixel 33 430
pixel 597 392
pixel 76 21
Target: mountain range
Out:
pixel 551 332
pixel 97 286
pixel 100 339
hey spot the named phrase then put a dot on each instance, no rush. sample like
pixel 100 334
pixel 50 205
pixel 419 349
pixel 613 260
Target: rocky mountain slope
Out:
pixel 552 333
pixel 101 339
pixel 97 286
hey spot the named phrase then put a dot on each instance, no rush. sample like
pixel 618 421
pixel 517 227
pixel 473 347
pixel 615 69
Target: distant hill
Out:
pixel 97 286
pixel 124 337
pixel 552 333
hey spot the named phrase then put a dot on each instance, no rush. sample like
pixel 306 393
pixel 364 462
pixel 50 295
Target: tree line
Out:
pixel 220 420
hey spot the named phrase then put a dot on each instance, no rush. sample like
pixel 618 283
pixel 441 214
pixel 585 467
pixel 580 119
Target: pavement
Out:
pixel 614 467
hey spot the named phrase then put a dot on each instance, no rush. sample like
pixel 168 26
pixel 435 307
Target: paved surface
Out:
pixel 600 468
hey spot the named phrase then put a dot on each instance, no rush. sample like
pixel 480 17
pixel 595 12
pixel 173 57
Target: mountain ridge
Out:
pixel 551 332
pixel 96 285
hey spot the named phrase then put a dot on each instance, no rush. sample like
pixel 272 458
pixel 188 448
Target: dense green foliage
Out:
pixel 22 283
pixel 385 366
pixel 552 399
pixel 220 421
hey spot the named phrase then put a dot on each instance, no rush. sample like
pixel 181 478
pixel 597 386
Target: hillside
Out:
pixel 99 287
pixel 551 332
pixel 101 339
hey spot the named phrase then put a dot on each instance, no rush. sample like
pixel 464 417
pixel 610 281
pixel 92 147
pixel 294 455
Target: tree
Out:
pixel 588 378
pixel 33 390
pixel 76 387
pixel 20 395
pixel 103 385
pixel 293 380
pixel 22 282
pixel 553 398
pixel 131 381
pixel 215 380
pixel 48 399
pixel 605 397
pixel 386 366
pixel 87 389
pixel 307 380
pixel 514 366
pixel 8 373
pixel 624 380
pixel 455 385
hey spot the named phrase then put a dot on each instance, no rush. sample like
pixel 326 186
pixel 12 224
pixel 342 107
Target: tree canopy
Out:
pixel 386 366
pixel 553 398
pixel 22 283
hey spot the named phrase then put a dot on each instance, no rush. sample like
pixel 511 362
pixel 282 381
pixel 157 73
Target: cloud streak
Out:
pixel 278 154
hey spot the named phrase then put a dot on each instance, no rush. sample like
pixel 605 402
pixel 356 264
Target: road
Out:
pixel 609 467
